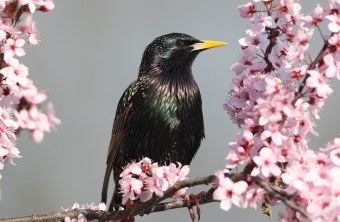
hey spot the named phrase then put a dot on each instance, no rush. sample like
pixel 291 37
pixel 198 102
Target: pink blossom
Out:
pixel 316 17
pixel 266 163
pixel 272 86
pixel 276 103
pixel 260 23
pixel 299 72
pixel 3 34
pixel 318 82
pixel 47 6
pixel 24 120
pixel 17 91
pixel 273 131
pixel 268 112
pixel 253 39
pixel 2 4
pixel 294 10
pixel 32 32
pixel 246 62
pixel 253 197
pixel 41 124
pixel 36 122
pixel 153 179
pixel 156 184
pixel 333 67
pixel 7 135
pixel 130 187
pixel 295 177
pixel 30 4
pixel 13 46
pixel 247 10
pixel 81 217
pixel 6 118
pixel 12 152
pixel 334 25
pixel 33 96
pixel 16 73
pixel 334 41
pixel 240 150
pixel 177 173
pixel 229 193
pixel 303 38
pixel 52 119
pixel 132 169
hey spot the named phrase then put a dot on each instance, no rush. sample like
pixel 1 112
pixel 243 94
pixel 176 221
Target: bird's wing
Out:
pixel 117 140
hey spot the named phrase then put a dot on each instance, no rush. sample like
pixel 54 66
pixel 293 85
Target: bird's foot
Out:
pixel 129 204
pixel 194 198
pixel 128 219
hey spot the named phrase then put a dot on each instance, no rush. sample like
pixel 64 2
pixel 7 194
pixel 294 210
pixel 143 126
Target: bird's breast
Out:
pixel 173 103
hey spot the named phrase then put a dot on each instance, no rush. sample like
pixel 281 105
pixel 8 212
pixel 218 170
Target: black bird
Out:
pixel 160 114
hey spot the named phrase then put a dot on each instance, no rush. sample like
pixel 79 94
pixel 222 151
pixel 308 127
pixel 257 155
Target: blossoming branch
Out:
pixel 20 99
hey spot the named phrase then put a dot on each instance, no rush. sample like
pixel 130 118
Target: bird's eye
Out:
pixel 180 43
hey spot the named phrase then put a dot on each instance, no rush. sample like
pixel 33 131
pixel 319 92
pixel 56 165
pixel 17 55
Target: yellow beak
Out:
pixel 207 44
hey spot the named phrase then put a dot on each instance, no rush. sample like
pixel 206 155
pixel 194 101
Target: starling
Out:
pixel 160 114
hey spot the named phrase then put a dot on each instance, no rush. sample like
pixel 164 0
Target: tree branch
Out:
pixel 311 67
pixel 150 206
pixel 154 205
pixel 278 194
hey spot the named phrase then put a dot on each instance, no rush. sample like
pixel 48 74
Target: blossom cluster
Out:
pixel 238 193
pixel 141 180
pixel 278 92
pixel 20 100
pixel 81 217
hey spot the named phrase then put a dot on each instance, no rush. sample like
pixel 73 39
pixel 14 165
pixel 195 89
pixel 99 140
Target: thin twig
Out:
pixel 285 198
pixel 310 67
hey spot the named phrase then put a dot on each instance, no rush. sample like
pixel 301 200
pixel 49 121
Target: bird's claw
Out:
pixel 194 198
pixel 129 204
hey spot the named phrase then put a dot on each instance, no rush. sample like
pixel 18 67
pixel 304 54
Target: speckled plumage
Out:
pixel 160 114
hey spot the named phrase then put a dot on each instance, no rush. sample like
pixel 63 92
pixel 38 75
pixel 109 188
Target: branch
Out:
pixel 278 194
pixel 150 206
pixel 311 67
pixel 154 205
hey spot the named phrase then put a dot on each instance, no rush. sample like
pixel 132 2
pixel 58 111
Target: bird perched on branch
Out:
pixel 160 114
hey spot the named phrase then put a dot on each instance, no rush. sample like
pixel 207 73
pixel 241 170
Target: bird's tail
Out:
pixel 116 198
pixel 106 182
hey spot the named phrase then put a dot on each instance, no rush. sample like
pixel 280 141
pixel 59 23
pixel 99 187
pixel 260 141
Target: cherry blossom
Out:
pixel 229 192
pixel 277 94
pixel 81 217
pixel 13 46
pixel 18 94
pixel 37 122
pixel 253 39
pixel 278 90
pixel 332 66
pixel 334 25
pixel 47 6
pixel 247 10
pixel 30 4
pixel 33 96
pixel 318 82
pixel 267 163
pixel 15 73
pixel 144 179
pixel 53 121
pixel 130 187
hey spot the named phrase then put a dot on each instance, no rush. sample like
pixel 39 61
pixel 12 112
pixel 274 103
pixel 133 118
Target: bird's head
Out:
pixel 174 51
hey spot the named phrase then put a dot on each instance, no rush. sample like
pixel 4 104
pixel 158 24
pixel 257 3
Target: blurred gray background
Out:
pixel 90 52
